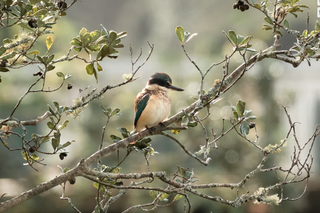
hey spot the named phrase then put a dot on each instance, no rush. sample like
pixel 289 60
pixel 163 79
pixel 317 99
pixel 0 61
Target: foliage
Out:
pixel 36 18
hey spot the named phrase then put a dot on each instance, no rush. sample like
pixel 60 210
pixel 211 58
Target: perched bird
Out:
pixel 153 104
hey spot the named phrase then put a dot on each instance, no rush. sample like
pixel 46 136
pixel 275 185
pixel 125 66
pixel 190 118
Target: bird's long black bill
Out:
pixel 175 88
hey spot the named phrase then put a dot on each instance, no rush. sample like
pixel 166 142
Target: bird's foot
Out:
pixel 150 129
pixel 162 124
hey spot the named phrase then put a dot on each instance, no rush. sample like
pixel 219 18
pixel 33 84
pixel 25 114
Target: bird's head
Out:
pixel 162 80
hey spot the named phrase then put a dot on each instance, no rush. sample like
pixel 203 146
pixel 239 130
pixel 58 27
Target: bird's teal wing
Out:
pixel 140 104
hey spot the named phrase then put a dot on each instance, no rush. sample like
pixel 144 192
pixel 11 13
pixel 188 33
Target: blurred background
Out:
pixel 265 88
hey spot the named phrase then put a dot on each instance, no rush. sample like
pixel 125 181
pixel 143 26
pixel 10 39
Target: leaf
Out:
pixel 3 69
pixel 233 36
pixel 115 111
pixel 8 56
pixel 268 20
pixel 2 50
pixel 65 123
pixel 49 42
pixel 99 67
pixel 235 115
pixel 164 196
pixel 76 42
pixel 68 143
pixel 41 12
pixel 52 112
pixel 178 197
pixel 182 171
pixel 244 128
pixel 50 58
pixel 35 52
pixel 60 74
pixel 115 138
pixel 86 39
pixel 286 23
pixel 317 27
pixel 55 143
pixel 95 35
pixel 112 37
pixel 125 133
pixel 50 125
pixel 56 104
pixel 94 47
pixel 82 32
pixel 240 107
pixel 153 194
pixel 92 71
pixel 180 33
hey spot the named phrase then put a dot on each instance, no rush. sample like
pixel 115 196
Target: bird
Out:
pixel 153 104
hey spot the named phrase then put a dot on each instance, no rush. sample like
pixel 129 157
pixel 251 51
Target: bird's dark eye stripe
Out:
pixel 159 82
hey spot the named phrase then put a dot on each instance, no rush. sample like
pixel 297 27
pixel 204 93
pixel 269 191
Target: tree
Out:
pixel 36 18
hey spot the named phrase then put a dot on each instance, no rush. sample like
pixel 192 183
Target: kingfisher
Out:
pixel 153 104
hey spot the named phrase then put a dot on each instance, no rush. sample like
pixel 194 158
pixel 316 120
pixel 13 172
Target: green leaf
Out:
pixel 164 196
pixel 92 71
pixel 182 171
pixel 55 143
pixel 240 107
pixel 41 12
pixel 244 128
pixel 60 74
pixel 50 58
pixel 99 67
pixel 95 35
pixel 49 42
pixel 94 47
pixel 175 131
pixel 76 42
pixel 35 52
pixel 52 112
pixel 50 125
pixel 286 23
pixel 233 36
pixel 153 194
pixel 305 34
pixel 245 40
pixel 65 123
pixel 3 69
pixel 178 197
pixel 86 39
pixel 115 138
pixel 125 133
pixel 192 124
pixel 112 37
pixel 2 50
pixel 317 27
pixel 56 105
pixel 8 56
pixel 115 111
pixel 82 32
pixel 235 115
pixel 180 33
pixel 268 20
pixel 68 143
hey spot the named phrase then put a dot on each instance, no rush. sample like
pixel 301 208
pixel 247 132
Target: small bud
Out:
pixel 72 181
pixel 33 23
pixel 62 5
pixel 62 155
pixel 3 63
pixel 252 125
pixel 69 86
pixel 32 149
